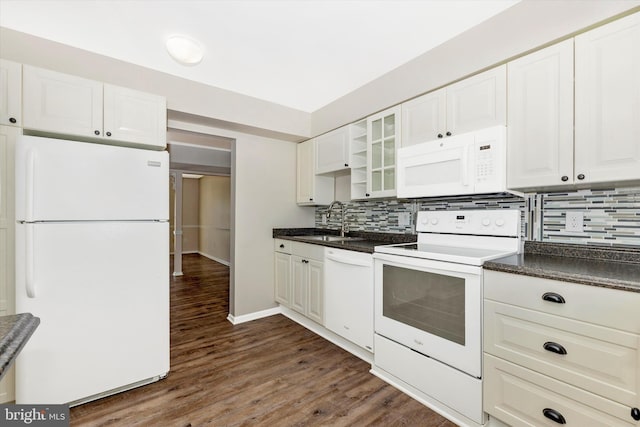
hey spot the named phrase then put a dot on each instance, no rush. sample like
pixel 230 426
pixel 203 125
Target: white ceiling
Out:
pixel 302 54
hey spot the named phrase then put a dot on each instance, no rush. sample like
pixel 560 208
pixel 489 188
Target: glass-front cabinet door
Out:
pixel 383 136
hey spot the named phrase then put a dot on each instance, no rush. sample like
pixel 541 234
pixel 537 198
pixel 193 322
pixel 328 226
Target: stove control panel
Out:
pixel 483 222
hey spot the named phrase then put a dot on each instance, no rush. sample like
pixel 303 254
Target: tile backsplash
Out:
pixel 611 216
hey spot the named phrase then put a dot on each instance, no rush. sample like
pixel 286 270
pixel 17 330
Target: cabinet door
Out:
pixel 61 103
pixel 332 151
pixel 10 93
pixel 423 118
pixel 608 102
pixel 8 136
pixel 305 172
pixel 477 102
pixel 312 189
pixel 540 129
pixel 383 134
pixel 299 279
pixel 134 116
pixel 282 270
pixel 315 302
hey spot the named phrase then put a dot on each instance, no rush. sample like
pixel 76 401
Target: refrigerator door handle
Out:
pixel 30 270
pixel 30 184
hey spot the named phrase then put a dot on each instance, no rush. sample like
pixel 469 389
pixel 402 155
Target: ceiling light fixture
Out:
pixel 184 50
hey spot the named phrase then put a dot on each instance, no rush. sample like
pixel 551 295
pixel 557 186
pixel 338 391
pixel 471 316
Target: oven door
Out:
pixel 432 307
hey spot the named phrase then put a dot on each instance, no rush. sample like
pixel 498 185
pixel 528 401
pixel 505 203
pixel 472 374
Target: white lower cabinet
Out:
pixel 299 278
pixel 349 295
pixel 558 352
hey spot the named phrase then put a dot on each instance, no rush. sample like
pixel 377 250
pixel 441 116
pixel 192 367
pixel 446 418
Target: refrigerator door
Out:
pixel 59 180
pixel 101 291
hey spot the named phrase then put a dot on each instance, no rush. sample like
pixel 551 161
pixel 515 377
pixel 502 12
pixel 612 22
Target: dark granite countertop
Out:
pixel 15 331
pixel 371 239
pixel 616 268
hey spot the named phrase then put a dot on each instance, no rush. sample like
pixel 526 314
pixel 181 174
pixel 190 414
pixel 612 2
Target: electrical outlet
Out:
pixel 324 219
pixel 575 222
pixel 404 218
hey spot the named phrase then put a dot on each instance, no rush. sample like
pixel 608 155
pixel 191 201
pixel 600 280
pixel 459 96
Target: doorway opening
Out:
pixel 200 196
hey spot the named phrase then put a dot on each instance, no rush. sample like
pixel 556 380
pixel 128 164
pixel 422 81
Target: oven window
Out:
pixel 431 302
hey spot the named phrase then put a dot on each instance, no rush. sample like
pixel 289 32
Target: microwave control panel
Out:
pixel 485 163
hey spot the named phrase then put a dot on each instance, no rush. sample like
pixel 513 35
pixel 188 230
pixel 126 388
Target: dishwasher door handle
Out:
pixel 347 261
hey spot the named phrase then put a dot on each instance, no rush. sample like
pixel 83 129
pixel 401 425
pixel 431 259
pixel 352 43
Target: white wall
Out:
pixel 215 217
pixel 521 28
pixel 263 197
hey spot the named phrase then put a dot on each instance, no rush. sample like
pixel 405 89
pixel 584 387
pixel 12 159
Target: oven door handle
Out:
pixel 347 261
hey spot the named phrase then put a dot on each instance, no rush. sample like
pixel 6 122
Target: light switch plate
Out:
pixel 575 222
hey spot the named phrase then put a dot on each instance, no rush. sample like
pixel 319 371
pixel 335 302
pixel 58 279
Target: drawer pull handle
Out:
pixel 282 245
pixel 635 414
pixel 553 297
pixel 554 348
pixel 554 415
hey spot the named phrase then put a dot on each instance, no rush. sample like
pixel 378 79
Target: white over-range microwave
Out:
pixel 470 163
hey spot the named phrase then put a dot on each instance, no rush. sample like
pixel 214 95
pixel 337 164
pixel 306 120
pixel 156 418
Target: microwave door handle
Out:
pixel 465 165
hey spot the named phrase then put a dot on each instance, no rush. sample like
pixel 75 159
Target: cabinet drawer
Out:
pixel 518 397
pixel 601 306
pixel 602 360
pixel 281 245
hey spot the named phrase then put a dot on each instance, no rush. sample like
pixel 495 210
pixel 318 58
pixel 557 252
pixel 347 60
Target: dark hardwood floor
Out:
pixel 268 372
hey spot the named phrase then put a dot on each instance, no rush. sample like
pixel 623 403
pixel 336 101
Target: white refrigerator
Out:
pixel 92 262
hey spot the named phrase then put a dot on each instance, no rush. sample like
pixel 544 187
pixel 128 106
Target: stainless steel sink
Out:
pixel 330 238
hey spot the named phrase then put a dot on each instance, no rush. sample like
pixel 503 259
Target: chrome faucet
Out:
pixel 343 227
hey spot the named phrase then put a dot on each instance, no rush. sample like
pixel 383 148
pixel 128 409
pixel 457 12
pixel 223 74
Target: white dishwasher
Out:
pixel 348 282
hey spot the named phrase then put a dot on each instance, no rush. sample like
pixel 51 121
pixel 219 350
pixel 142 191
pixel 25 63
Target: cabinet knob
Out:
pixel 554 415
pixel 346 165
pixel 635 414
pixel 554 347
pixel 97 132
pixel 367 194
pixel 12 119
pixel 581 176
pixel 565 178
pixel 439 135
pixel 311 199
pixel 282 245
pixel 108 133
pixel 448 133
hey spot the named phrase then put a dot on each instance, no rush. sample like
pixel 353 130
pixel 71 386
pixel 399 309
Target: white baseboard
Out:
pixel 221 261
pixel 236 320
pixel 184 252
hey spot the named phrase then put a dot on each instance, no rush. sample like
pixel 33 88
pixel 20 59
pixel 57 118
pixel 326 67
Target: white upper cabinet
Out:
pixel 607 84
pixel 311 189
pixel 69 105
pixel 424 118
pixel 477 102
pixel 383 135
pixel 540 118
pixel 471 104
pixel 134 116
pixel 332 151
pixel 10 93
pixel 61 103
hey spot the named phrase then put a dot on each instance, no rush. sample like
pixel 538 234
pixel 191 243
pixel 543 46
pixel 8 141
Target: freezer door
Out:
pixel 59 180
pixel 101 291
